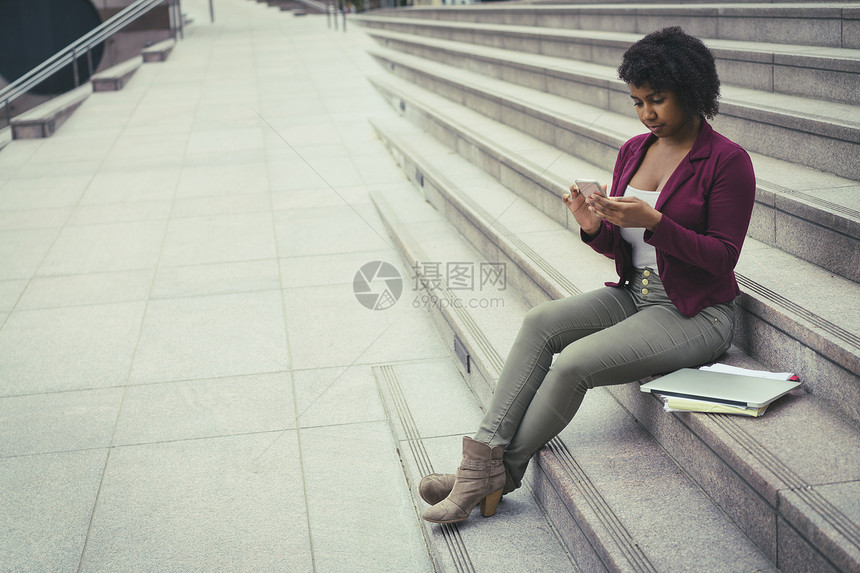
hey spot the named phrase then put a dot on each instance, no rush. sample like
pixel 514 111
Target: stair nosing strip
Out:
pixel 830 513
pixel 466 319
pixel 407 422
pixel 450 532
pixel 619 534
pixel 457 548
pixel 818 321
pixel 811 199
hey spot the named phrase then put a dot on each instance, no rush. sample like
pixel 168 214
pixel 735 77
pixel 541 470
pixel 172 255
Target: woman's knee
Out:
pixel 571 374
pixel 540 318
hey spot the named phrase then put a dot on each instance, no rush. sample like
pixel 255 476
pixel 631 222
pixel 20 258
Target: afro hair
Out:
pixel 671 60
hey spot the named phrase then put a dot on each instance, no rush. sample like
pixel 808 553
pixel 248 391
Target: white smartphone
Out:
pixel 589 186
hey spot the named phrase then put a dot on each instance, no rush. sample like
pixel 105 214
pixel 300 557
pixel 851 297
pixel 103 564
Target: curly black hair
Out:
pixel 672 60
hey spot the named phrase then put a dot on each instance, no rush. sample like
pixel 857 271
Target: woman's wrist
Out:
pixel 591 232
pixel 653 225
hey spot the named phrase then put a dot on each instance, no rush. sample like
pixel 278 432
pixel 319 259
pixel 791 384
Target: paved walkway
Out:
pixel 185 372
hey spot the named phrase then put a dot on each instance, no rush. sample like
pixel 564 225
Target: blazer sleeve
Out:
pixel 728 209
pixel 606 241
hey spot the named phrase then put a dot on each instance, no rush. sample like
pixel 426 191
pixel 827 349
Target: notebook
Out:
pixel 734 389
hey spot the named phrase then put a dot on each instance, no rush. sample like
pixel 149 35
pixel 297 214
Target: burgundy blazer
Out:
pixel 706 205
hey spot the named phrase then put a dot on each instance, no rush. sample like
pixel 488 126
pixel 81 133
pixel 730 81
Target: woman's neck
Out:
pixel 683 139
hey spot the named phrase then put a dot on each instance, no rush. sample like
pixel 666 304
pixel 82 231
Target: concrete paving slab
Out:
pixel 47 504
pixel 148 149
pixel 218 239
pixel 361 336
pixel 215 115
pixel 209 336
pixel 336 396
pixel 14 156
pixel 325 230
pixel 173 411
pixel 86 167
pixel 293 173
pixel 121 213
pixel 219 278
pixel 314 195
pixel 45 192
pixel 168 505
pixel 68 348
pixel 34 219
pixel 320 270
pixel 105 248
pixel 219 180
pixel 133 185
pixel 335 459
pixel 72 149
pixel 86 290
pixel 22 251
pixel 58 422
pixel 224 140
pixel 222 205
pixel 10 292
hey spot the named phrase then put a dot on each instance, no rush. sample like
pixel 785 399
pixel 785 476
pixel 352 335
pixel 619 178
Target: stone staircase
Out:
pixel 297 7
pixel 46 118
pixel 503 106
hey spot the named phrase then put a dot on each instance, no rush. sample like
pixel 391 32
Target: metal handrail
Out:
pixel 70 54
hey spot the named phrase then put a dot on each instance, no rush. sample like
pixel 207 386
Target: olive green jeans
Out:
pixel 612 335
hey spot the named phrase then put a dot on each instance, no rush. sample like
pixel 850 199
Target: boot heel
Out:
pixel 489 503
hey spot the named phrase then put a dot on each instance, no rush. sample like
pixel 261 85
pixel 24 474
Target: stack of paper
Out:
pixel 679 404
pixel 743 392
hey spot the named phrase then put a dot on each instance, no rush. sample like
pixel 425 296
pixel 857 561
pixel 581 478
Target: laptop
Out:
pixel 734 389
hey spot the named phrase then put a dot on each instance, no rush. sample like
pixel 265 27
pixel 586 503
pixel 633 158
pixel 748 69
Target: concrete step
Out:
pixel 833 24
pixel 793 494
pixel 5 136
pixel 796 69
pixel 801 210
pixel 776 125
pixel 45 119
pixel 823 345
pixel 158 52
pixel 603 514
pixel 413 394
pixel 115 77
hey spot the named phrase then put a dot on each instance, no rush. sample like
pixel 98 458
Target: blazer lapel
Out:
pixel 701 150
pixel 631 167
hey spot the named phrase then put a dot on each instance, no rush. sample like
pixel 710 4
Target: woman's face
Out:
pixel 661 112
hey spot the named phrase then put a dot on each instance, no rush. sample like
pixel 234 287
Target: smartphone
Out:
pixel 589 186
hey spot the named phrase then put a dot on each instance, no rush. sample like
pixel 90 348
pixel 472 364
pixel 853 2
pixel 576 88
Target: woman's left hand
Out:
pixel 625 211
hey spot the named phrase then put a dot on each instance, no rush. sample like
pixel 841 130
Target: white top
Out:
pixel 644 255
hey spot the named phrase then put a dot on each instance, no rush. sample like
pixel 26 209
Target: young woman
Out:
pixel 674 223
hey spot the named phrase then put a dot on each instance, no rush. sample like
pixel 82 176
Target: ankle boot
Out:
pixel 433 488
pixel 479 480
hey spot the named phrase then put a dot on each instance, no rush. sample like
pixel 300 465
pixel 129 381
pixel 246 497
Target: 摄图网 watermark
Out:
pixel 378 285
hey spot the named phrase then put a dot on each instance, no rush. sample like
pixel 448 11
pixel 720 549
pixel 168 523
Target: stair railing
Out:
pixel 83 45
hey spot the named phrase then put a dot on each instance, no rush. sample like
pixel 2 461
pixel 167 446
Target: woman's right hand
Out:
pixel 588 221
